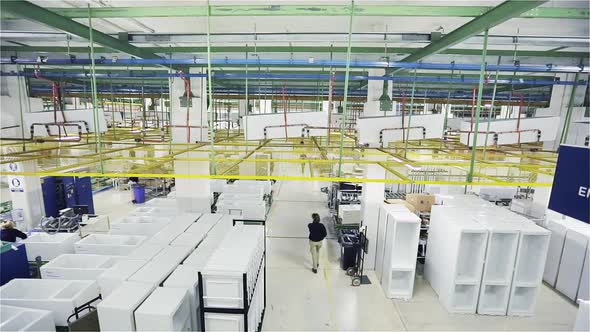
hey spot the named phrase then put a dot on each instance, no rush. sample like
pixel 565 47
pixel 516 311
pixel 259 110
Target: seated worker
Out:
pixel 9 234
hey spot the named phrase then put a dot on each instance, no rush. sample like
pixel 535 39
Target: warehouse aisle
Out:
pixel 298 300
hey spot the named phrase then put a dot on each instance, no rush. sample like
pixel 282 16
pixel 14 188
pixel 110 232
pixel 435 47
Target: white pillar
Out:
pixel 374 91
pixel 372 197
pixel 26 195
pixel 559 103
pixel 197 112
pixel 193 194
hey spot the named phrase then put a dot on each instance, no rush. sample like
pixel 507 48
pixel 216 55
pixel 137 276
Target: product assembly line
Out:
pixel 345 166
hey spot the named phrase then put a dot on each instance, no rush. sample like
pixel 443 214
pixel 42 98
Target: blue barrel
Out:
pixel 139 193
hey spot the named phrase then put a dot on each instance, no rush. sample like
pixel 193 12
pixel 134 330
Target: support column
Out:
pixel 374 91
pixel 197 109
pixel 558 106
pixel 193 194
pixel 372 197
pixel 26 195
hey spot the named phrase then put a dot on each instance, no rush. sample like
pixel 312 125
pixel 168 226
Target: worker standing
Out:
pixel 9 234
pixel 317 233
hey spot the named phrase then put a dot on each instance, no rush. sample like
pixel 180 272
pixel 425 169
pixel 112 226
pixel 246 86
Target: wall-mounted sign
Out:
pixel 570 194
pixel 15 183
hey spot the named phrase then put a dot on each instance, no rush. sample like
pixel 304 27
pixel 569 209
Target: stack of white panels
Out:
pixel 139 225
pixel 244 199
pixel 113 277
pixel 400 248
pixel 384 211
pixel 48 246
pixel 241 252
pixel 146 251
pixel 77 266
pixel 115 313
pixel 102 244
pixel 166 309
pixel 528 270
pixel 25 319
pixel 455 258
pixel 160 267
pixel 350 213
pixel 175 228
pixel 186 277
pixel 58 296
pixel 204 224
pixel 572 278
pixel 221 229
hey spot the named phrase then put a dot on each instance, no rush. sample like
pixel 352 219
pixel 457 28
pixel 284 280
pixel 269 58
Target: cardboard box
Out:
pixel 422 202
pixel 402 202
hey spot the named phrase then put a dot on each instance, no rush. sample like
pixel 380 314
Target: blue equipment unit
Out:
pixel 66 192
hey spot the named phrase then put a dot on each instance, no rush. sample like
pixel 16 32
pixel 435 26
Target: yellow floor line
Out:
pixel 332 316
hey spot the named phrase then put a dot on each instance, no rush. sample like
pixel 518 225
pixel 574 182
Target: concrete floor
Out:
pixel 298 300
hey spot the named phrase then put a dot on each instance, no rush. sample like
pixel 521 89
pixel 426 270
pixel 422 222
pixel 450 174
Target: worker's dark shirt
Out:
pixel 317 231
pixel 10 235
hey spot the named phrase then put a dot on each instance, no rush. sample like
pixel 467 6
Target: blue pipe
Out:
pixel 421 79
pixel 549 68
pixel 303 91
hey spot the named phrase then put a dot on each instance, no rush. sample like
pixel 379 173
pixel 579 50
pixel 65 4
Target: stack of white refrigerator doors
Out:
pixel 233 278
pixel 455 256
pixel 514 262
pixel 498 269
pixel 397 248
pixel 485 258
pixel 528 270
pixel 567 261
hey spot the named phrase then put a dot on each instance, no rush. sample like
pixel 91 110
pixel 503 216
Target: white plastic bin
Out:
pixel 25 319
pixel 77 267
pixel 58 296
pixel 161 266
pixel 102 244
pixel 49 246
pixel 139 225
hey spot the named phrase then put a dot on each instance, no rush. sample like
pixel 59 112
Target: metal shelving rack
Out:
pixel 247 299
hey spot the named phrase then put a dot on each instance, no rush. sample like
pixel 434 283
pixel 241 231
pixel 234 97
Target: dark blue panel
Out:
pixel 571 184
pixel 13 263
pixel 84 193
pixel 69 184
pixel 50 196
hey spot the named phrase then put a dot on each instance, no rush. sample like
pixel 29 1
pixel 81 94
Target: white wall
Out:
pixel 254 124
pixel 547 125
pixel 369 128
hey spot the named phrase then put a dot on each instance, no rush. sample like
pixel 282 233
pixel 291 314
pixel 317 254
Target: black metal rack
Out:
pixel 247 300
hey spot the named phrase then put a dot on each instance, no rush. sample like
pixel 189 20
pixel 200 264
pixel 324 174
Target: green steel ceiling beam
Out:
pixel 294 49
pixel 33 12
pixel 299 10
pixel 491 18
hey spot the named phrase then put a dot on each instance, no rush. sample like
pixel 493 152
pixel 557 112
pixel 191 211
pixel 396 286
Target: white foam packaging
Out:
pixel 139 225
pixel 102 244
pixel 186 277
pixel 166 309
pixel 58 296
pixel 117 274
pixel 160 267
pixel 116 312
pixel 48 246
pixel 25 319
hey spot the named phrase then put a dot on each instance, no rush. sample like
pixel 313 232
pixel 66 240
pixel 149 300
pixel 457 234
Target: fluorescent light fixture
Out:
pixel 397 159
pixel 68 138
